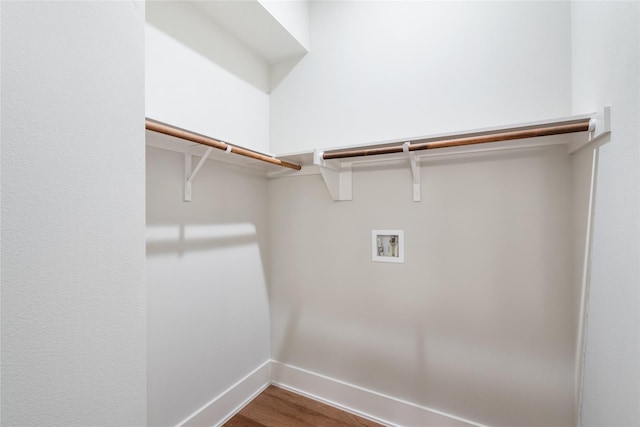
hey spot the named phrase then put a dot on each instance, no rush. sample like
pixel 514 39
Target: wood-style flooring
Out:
pixel 276 407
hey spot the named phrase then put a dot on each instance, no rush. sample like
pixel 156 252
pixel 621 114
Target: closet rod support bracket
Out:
pixel 337 177
pixel 600 124
pixel 414 162
pixel 189 174
pixel 318 158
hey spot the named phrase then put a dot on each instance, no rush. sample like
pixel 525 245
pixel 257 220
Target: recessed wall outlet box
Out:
pixel 387 246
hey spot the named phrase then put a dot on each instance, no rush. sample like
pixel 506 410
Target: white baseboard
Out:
pixel 366 403
pixel 220 409
pixel 360 401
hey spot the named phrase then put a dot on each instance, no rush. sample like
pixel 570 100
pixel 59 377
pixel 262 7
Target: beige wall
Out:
pixel 478 321
pixel 207 305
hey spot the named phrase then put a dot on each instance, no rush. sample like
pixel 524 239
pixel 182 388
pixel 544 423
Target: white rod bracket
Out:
pixel 318 160
pixel 415 171
pixel 189 174
pixel 600 125
pixel 339 180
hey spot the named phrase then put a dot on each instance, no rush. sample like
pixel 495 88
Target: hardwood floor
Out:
pixel 276 407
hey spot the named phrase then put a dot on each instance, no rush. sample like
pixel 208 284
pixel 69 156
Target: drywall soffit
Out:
pixel 254 26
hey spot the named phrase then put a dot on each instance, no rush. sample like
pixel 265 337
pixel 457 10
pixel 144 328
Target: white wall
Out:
pixel 478 321
pixel 73 298
pixel 386 70
pixel 208 310
pixel 606 70
pixel 200 78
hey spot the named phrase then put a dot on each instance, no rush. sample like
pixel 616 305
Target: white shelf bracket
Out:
pixel 600 125
pixel 339 180
pixel 190 174
pixel 415 171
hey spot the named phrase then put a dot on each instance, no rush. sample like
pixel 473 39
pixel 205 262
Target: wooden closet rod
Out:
pixel 571 126
pixel 210 142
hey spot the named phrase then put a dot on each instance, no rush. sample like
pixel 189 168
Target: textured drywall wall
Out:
pixel 208 310
pixel 73 299
pixel 196 77
pixel 606 70
pixel 478 321
pixel 386 70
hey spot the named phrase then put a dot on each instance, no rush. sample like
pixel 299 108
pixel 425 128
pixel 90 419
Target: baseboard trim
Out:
pixel 224 406
pixel 366 403
pixel 360 401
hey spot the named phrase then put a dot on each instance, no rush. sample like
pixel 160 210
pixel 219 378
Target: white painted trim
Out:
pixel 584 288
pixel 170 143
pixel 228 403
pixel 360 401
